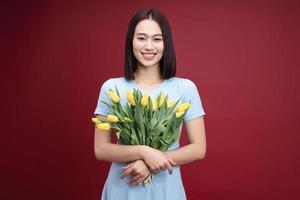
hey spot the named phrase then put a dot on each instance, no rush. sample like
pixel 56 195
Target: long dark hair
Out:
pixel 168 61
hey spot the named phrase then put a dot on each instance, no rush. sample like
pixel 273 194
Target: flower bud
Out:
pixel 112 118
pixel 130 98
pixel 96 120
pixel 154 104
pixel 170 104
pixel 145 100
pixel 162 99
pixel 127 119
pixel 179 114
pixel 183 107
pixel 115 98
pixel 104 126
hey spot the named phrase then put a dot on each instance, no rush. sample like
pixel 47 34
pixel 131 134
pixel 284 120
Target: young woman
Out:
pixel 150 66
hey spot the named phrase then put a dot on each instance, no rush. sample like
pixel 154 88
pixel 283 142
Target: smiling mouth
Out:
pixel 148 56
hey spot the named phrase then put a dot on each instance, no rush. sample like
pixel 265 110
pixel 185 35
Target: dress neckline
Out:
pixel 149 89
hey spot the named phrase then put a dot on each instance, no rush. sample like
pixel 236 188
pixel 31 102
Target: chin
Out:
pixel 149 65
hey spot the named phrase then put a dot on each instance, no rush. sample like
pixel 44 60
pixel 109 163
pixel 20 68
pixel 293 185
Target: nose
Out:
pixel 149 45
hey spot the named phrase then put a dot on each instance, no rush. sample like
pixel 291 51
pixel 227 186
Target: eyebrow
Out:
pixel 150 35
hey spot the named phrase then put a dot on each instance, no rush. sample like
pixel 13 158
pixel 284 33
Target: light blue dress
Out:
pixel 163 186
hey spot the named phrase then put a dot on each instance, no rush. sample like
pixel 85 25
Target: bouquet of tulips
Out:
pixel 143 120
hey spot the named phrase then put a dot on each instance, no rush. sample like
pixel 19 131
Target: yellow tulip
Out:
pixel 130 98
pixel 179 114
pixel 96 120
pixel 104 126
pixel 170 104
pixel 145 100
pixel 162 99
pixel 127 119
pixel 154 104
pixel 112 118
pixel 114 97
pixel 183 107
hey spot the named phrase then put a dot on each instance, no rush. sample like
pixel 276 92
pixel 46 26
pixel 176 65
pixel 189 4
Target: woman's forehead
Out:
pixel 148 27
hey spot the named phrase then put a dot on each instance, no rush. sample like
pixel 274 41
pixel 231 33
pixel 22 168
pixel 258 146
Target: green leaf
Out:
pixel 159 128
pixel 134 139
pixel 125 135
pixel 165 141
pixel 155 143
pixel 154 120
pixel 150 108
pixel 139 118
pixel 117 91
pixel 171 110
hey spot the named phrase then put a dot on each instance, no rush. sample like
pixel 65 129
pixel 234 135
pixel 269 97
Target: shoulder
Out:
pixel 184 83
pixel 112 82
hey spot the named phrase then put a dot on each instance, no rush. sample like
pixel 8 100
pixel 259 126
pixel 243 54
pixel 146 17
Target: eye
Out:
pixel 157 39
pixel 140 38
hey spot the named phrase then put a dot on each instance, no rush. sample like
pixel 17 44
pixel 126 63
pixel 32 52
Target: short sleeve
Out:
pixel 101 108
pixel 192 95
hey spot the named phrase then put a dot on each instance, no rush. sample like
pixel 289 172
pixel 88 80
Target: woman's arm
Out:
pixel 193 151
pixel 138 169
pixel 107 151
pixel 196 149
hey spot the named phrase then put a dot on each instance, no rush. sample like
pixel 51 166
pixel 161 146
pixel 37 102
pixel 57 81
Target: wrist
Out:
pixel 142 151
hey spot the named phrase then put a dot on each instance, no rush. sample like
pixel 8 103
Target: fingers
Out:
pixel 162 168
pixel 136 180
pixel 172 162
pixel 139 181
pixel 127 172
pixel 155 169
pixel 169 167
pixel 129 165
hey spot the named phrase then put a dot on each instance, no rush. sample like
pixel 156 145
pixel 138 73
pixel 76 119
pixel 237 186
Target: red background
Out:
pixel 243 56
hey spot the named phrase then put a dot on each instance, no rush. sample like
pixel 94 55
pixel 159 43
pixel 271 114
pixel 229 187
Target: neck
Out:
pixel 148 75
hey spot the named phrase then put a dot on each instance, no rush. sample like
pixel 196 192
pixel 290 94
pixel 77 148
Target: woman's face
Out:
pixel 148 45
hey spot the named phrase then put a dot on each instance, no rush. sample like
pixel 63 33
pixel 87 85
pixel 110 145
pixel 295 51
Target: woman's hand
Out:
pixel 157 160
pixel 138 169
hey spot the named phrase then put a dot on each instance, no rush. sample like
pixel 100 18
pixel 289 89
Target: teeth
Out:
pixel 148 56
